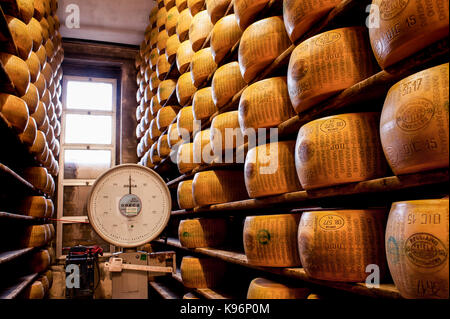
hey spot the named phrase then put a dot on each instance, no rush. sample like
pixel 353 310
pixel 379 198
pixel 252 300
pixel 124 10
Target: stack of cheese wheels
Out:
pixel 217 187
pixel 226 134
pixel 15 111
pixel 353 153
pixel 155 133
pixel 216 9
pixel 174 136
pixel 185 122
pixel 154 155
pixel 189 296
pixel 154 82
pixel 185 89
pixel 39 261
pixel 184 56
pixel 166 116
pixel 34 236
pixel 225 35
pixel 35 206
pixel 407 27
pixel 202 272
pixel 312 78
pixel 203 104
pixel 247 10
pixel 417 248
pixel 202 66
pixel 185 158
pixel 172 20
pixel 29 134
pixel 34 291
pixel 162 67
pixel 300 16
pixel 270 170
pixel 181 4
pixel 165 90
pixel 161 18
pixel 227 81
pixel 155 106
pixel 414 122
pixel 184 195
pixel 172 47
pixel 202 147
pixel 202 232
pixel 20 36
pixel 37 176
pixel 261 288
pixel 183 24
pixel 199 29
pixel 163 146
pixel 261 44
pixel 195 6
pixel 17 71
pixel 162 42
pixel 271 241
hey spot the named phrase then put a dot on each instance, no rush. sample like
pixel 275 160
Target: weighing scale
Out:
pixel 130 206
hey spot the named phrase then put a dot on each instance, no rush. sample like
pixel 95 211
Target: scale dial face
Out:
pixel 129 206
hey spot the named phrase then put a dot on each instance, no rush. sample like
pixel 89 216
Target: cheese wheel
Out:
pixel 247 10
pixel 186 123
pixel 17 71
pixel 35 32
pixel 31 98
pixel 195 6
pixel 162 67
pixel 138 61
pixel 202 148
pixel 34 236
pixel 261 288
pixel 414 122
pixel 153 16
pixel 39 144
pixel 154 82
pixel 44 155
pixel 185 89
pixel 202 66
pixel 35 291
pixel 163 146
pixel 183 24
pixel 162 41
pixel 226 133
pixel 271 241
pixel 155 133
pixel 161 18
pixel 15 111
pixel 202 232
pixel 184 195
pixel 50 209
pixel 49 49
pixel 45 28
pixel 34 206
pixel 171 48
pixel 216 9
pixel 155 106
pixel 417 248
pixel 352 151
pixel 147 75
pixel 339 245
pixel 29 134
pixel 217 187
pixel 312 78
pixel 172 20
pixel 406 27
pixel 45 127
pixel 225 35
pixel 184 56
pixel 199 29
pixel 37 176
pixel 40 114
pixel 166 116
pixel 45 283
pixel 169 4
pixel 203 105
pixel 181 4
pixel 227 82
pixel 40 261
pixel 153 154
pixel 46 99
pixel 165 90
pixel 154 38
pixel 148 94
pixel 270 170
pixel 202 272
pixel 153 60
pixel 300 16
pixel 148 142
pixel 261 44
pixel 25 10
pixel 42 55
pixel 174 136
pixel 185 158
pixel 190 296
pixel 21 37
pixel 34 66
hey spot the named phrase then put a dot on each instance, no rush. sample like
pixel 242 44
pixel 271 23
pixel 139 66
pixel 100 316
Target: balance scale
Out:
pixel 130 206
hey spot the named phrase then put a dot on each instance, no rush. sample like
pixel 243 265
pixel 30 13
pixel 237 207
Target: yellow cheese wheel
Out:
pixel 154 38
pixel 148 142
pixel 171 48
pixel 202 272
pixel 270 170
pixel 165 90
pixel 227 81
pixel 15 111
pixel 185 89
pixel 45 28
pixel 25 10
pixel 271 241
pixel 339 245
pixel 148 94
pixel 217 187
pixel 195 6
pixel 352 151
pixel 216 9
pixel 261 288
pixel 183 24
pixel 147 75
pixel 46 99
pixel 203 104
pixel 185 158
pixel 184 195
pixel 166 116
pixel 406 27
pixel 163 146
pixel 300 16
pixel 202 66
pixel 35 206
pixel 35 291
pixel 202 147
pixel 17 71
pixel 417 248
pixel 42 54
pixel 34 66
pixel 154 106
pixel 50 49
pixel 184 56
pixel 153 153
pixel 312 75
pixel 40 261
pixel 226 133
pixel 172 20
pixel 153 60
pixel 35 32
pixel 202 232
pixel 190 295
pixel 247 10
pixel 44 155
pixel 162 67
pixel 261 44
pixel 162 41
pixel 186 123
pixel 225 34
pixel 155 133
pixel 50 209
pixel 29 134
pixel 199 29
pixel 39 144
pixel 21 37
pixel 414 122
pixel 153 16
pixel 154 82
pixel 31 98
pixel 161 18
pixel 174 136
pixel 34 236
pixel 45 127
pixel 40 114
pixel 37 176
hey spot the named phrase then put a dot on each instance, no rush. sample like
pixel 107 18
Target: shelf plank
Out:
pixel 9 173
pixel 14 290
pixel 204 292
pixel 5 215
pixel 11 255
pixel 163 290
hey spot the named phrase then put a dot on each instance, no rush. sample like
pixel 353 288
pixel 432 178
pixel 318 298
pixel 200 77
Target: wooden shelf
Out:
pixel 204 292
pixel 163 290
pixel 385 291
pixel 4 215
pixel 10 175
pixel 11 255
pixel 13 291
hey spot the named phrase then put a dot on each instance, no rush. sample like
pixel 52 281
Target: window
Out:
pixel 87 150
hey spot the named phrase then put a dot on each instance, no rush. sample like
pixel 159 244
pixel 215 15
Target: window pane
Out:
pixel 88 129
pixel 89 96
pixel 85 164
pixel 75 200
pixel 81 234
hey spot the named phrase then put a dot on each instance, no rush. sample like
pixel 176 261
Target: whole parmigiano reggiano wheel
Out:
pixel 261 288
pixel 417 248
pixel 227 81
pixel 162 67
pixel 154 82
pixel 40 114
pixel 21 36
pixel 202 232
pixel 35 206
pixel 261 44
pixel 29 134
pixel 154 38
pixel 217 187
pixel 154 156
pixel 226 133
pixel 174 136
pixel 203 104
pixel 186 123
pixel 270 170
pixel 153 61
pixel 185 88
pixel 216 9
pixel 202 66
pixel 50 209
pixel 271 241
pixel 152 17
pixel 300 16
pixel 26 10
pixel 312 75
pixel 414 122
pixel 39 143
pixel 202 272
pixel 35 32
pixel 34 236
pixel 339 245
pixel 185 158
pixel 265 104
pixel 34 66
pixel 351 154
pixel 184 56
pixel 37 176
pixel 163 146
pixel 42 55
pixel 183 24
pixel 162 41
pixel 161 18
pixel 31 98
pixel 40 261
pixel 155 133
pixel 15 111
pixel 172 47
pixel 202 148
pixel 406 27
pixel 165 90
pixel 196 6
pixel 17 70
pixel 165 116
pixel 247 10
pixel 184 195
pixel 34 292
pixel 181 4
pixel 172 20
pixel 199 29
pixel 225 35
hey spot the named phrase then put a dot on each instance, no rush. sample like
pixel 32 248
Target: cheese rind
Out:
pixel 202 232
pixel 227 81
pixel 225 35
pixel 261 288
pixel 199 29
pixel 184 195
pixel 202 272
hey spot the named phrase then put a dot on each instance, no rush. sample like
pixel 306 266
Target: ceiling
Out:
pixel 117 21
